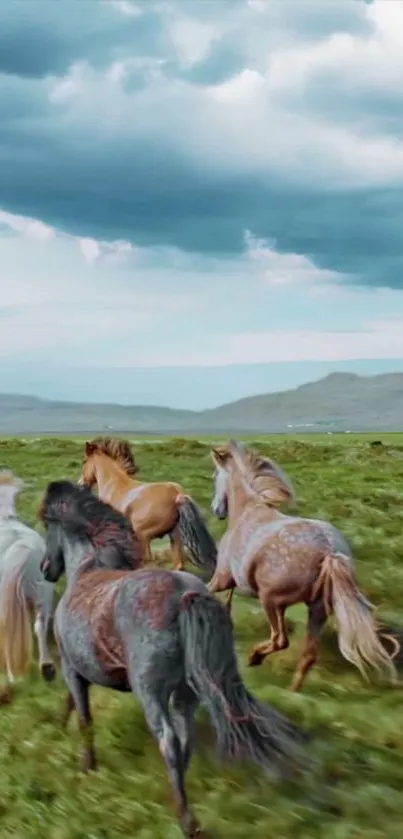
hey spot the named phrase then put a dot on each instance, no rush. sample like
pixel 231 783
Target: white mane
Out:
pixel 10 487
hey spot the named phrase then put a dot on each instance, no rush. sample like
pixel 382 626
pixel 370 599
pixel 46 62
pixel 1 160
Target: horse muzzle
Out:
pixel 45 567
pixel 220 512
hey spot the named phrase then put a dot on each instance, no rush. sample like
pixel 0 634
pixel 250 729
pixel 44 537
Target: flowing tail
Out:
pixel 245 728
pixel 195 535
pixel 357 630
pixel 15 622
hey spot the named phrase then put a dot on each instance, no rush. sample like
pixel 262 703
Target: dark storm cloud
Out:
pixel 145 189
pixel 152 197
pixel 44 37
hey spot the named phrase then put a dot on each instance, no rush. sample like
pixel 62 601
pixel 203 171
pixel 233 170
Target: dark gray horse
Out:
pixel 155 632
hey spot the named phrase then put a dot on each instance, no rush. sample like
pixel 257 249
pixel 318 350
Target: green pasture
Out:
pixel 357 790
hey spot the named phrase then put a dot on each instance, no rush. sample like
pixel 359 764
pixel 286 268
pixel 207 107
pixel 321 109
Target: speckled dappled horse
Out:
pixel 155 632
pixel 154 509
pixel 23 591
pixel 284 560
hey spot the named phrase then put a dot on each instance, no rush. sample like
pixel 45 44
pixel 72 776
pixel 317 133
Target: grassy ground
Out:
pixel 359 727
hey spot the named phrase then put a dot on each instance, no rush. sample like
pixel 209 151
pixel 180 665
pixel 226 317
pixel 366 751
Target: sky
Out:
pixel 200 199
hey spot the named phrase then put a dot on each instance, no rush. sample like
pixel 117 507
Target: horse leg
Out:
pixel 68 710
pixel 41 629
pixel 146 548
pixel 184 703
pixel 78 697
pixel 228 602
pixel 161 726
pixel 278 639
pixel 316 621
pixel 7 692
pixel 178 557
pixel 222 580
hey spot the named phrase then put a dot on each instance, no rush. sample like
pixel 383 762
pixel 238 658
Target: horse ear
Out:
pixel 237 445
pixel 219 455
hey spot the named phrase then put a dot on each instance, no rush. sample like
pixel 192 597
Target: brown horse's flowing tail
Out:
pixel 245 728
pixel 15 624
pixel 359 641
pixel 195 536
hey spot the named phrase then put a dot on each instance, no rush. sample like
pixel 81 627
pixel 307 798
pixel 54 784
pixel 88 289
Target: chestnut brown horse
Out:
pixel 284 560
pixel 154 509
pixel 156 633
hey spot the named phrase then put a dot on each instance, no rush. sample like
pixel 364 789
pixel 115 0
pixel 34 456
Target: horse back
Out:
pixel 109 618
pixel 267 547
pixel 153 506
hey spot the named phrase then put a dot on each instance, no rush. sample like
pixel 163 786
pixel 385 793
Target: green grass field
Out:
pixel 357 791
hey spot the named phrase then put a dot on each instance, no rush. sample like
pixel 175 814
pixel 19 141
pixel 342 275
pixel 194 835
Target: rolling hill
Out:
pixel 339 402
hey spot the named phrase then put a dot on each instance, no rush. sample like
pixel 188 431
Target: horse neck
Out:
pixel 75 553
pixel 241 495
pixel 8 496
pixel 111 478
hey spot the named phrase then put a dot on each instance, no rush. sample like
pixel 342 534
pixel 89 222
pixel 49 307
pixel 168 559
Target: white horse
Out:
pixel 24 592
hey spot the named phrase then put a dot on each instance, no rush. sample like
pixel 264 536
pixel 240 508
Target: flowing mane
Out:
pixel 118 450
pixel 81 515
pixel 263 474
pixel 10 487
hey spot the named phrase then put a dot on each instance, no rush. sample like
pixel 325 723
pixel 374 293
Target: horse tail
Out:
pixel 194 534
pixel 358 637
pixel 245 728
pixel 15 623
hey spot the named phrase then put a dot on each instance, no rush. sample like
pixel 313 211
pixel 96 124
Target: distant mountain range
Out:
pixel 339 402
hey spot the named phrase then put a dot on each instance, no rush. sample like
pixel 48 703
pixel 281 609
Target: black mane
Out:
pixel 83 516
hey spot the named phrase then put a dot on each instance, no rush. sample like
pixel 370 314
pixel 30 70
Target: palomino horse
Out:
pixel 284 560
pixel 22 590
pixel 155 632
pixel 154 509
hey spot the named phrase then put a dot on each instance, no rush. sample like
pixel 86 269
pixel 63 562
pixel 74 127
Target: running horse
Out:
pixel 154 632
pixel 23 591
pixel 154 509
pixel 284 560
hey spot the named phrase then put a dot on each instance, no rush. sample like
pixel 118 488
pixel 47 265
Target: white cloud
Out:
pixel 88 302
pixel 126 7
pixel 256 121
pixel 112 252
pixel 90 250
pixel 73 294
pixel 192 39
pixel 286 268
pixel 373 62
pixel 110 302
pixel 26 226
pixel 378 340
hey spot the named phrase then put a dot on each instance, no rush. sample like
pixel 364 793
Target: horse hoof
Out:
pixel 190 828
pixel 48 671
pixel 88 761
pixel 6 695
pixel 255 659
